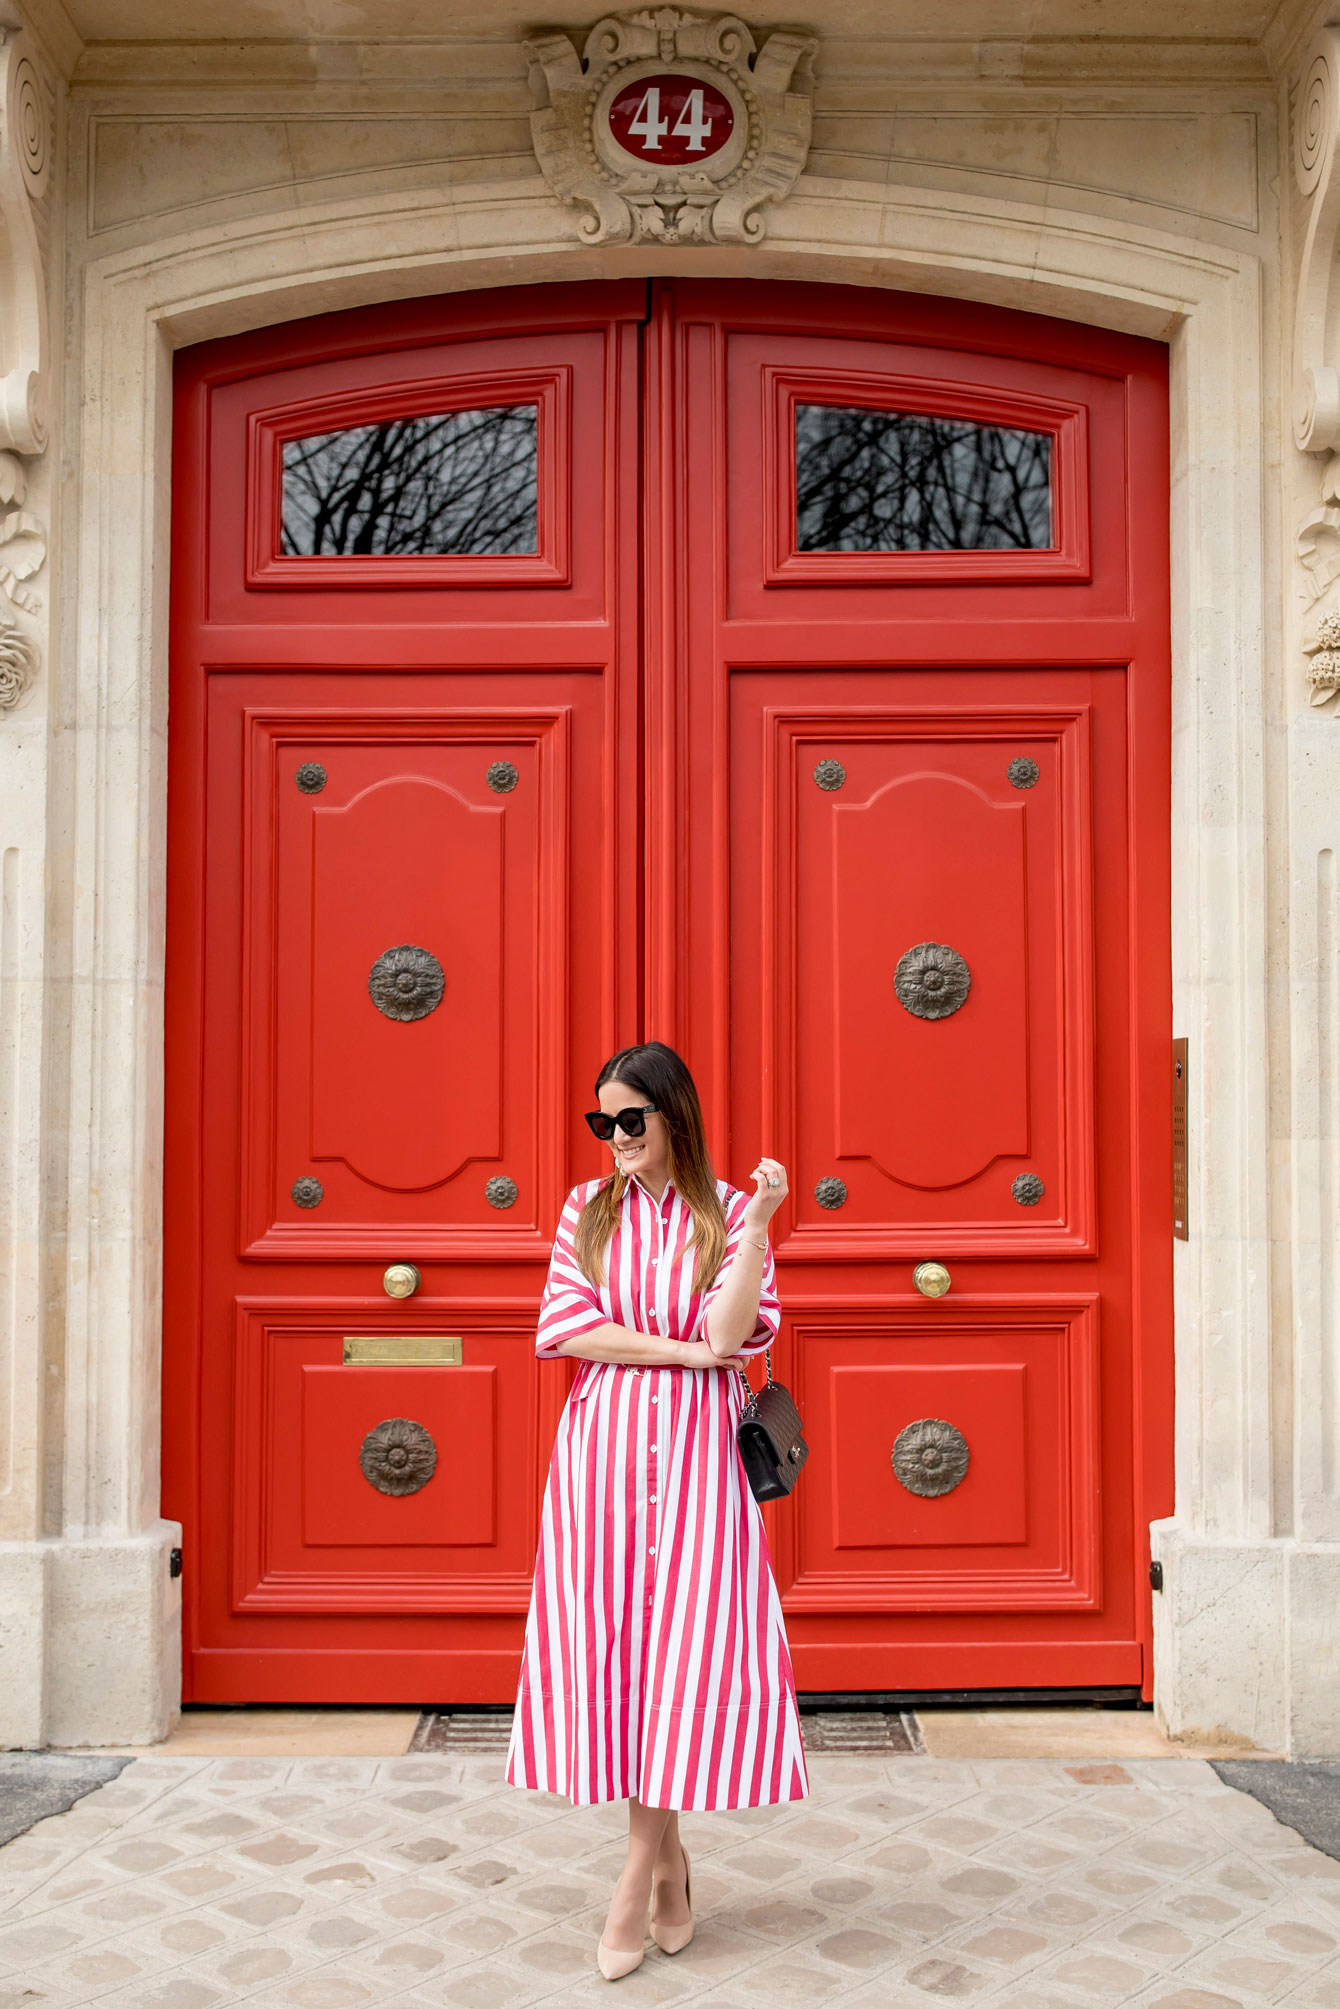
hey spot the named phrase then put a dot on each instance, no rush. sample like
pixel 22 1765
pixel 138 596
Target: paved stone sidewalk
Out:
pixel 426 1881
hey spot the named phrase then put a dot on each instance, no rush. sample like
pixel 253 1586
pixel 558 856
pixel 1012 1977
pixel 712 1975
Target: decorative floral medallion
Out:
pixel 1323 654
pixel 931 980
pixel 1023 772
pixel 398 1457
pixel 830 774
pixel 502 777
pixel 1028 1189
pixel 930 1458
pixel 18 666
pixel 311 777
pixel 406 983
pixel 501 1192
pixel 307 1192
pixel 831 1193
pixel 671 126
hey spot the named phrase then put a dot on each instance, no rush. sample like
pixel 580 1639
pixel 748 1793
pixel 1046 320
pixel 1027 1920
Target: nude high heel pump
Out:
pixel 613 1963
pixel 674 1938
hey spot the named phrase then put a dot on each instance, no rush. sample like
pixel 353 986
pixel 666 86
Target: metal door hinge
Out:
pixel 174 1562
pixel 1156 1576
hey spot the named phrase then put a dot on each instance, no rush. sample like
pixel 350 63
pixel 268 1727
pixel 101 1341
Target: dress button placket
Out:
pixel 654 1322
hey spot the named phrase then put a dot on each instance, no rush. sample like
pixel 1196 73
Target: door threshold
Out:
pixel 896 1700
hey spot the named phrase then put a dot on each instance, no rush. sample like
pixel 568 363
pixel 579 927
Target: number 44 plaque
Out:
pixel 671 126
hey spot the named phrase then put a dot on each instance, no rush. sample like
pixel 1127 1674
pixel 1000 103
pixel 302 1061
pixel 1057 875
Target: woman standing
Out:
pixel 656 1666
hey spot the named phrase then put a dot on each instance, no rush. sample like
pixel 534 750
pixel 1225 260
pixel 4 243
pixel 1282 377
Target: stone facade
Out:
pixel 170 190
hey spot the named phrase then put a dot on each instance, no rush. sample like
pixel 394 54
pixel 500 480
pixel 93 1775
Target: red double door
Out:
pixel 778 671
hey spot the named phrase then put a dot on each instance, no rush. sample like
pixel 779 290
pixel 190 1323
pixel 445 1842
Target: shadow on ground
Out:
pixel 1305 1797
pixel 34 1784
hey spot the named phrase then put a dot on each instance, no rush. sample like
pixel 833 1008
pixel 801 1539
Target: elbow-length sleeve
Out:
pixel 571 1303
pixel 769 1305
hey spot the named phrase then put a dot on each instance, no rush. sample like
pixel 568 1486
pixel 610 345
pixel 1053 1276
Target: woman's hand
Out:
pixel 770 1189
pixel 697 1353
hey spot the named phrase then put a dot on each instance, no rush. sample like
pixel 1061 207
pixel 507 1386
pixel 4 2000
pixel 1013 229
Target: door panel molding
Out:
pixel 1021 1532
pixel 518 941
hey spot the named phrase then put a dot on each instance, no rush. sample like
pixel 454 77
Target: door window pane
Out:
pixel 449 484
pixel 904 481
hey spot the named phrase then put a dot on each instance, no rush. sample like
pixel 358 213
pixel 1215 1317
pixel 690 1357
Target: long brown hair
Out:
pixel 658 1074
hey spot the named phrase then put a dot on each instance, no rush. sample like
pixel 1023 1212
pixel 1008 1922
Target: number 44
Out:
pixel 651 128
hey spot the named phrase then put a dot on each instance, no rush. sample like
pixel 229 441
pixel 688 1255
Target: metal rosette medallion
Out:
pixel 930 1457
pixel 406 983
pixel 932 980
pixel 398 1457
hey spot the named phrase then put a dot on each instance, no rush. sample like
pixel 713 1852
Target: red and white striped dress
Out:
pixel 655 1660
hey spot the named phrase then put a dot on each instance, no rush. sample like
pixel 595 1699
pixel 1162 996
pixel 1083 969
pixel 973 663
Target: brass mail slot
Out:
pixel 402 1350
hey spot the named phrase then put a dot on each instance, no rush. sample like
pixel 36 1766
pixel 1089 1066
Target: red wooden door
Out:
pixel 912 895
pixel 903 793
pixel 403 936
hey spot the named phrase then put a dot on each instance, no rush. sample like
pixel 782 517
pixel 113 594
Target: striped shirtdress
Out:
pixel 655 1659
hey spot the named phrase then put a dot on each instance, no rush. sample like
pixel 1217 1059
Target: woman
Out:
pixel 656 1666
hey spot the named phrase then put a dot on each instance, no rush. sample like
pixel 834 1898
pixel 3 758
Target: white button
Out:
pixel 653 1499
pixel 655 1398
pixel 654 1261
pixel 652 1550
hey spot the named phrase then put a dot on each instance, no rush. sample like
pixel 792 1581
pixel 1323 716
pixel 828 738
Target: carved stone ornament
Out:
pixel 398 1457
pixel 406 983
pixel 1319 558
pixel 1022 772
pixel 501 1192
pixel 18 666
pixel 307 1192
pixel 831 1193
pixel 830 774
pixel 502 777
pixel 1028 1189
pixel 27 126
pixel 671 126
pixel 931 980
pixel 1316 354
pixel 26 129
pixel 23 551
pixel 311 777
pixel 930 1458
pixel 1316 127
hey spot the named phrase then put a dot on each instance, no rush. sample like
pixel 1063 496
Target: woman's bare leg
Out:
pixel 671 1904
pixel 632 1893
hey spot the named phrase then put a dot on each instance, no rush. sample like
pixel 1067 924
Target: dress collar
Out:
pixel 667 1193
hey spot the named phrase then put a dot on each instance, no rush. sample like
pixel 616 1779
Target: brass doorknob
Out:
pixel 931 1279
pixel 401 1280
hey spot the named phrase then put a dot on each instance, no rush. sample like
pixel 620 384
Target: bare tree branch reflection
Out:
pixel 448 484
pixel 903 481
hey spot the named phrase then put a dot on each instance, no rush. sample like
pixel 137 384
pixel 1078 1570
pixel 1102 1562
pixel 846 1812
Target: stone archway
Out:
pixel 110 783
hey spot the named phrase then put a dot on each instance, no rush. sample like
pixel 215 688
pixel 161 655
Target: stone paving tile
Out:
pixel 327 1883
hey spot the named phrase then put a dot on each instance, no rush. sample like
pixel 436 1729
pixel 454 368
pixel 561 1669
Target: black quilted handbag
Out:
pixel 769 1437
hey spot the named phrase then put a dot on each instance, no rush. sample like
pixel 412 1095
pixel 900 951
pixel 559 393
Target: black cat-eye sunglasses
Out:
pixel 632 1121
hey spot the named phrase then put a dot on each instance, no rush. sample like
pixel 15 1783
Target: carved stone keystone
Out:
pixel 671 127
